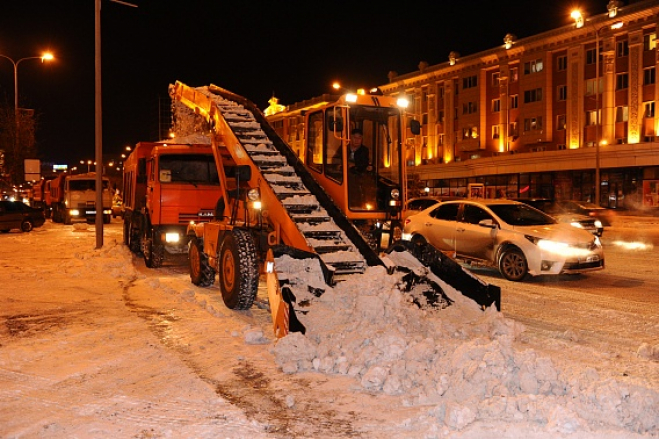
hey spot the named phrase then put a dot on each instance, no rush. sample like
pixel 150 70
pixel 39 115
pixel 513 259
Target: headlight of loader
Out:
pixel 254 197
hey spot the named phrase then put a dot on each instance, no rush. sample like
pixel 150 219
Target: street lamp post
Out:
pixel 45 57
pixel 579 22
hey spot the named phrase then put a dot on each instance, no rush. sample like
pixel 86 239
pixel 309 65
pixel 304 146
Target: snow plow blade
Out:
pixel 280 295
pixel 452 273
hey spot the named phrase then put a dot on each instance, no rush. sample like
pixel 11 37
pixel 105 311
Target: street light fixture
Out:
pixel 579 22
pixel 47 56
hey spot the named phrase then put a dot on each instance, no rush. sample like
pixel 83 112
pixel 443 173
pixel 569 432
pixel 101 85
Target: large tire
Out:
pixel 153 254
pixel 27 226
pixel 201 273
pixel 127 235
pixel 239 272
pixel 131 236
pixel 513 265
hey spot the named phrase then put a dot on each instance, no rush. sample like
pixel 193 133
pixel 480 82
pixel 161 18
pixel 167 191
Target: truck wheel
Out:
pixel 239 272
pixel 134 238
pixel 153 254
pixel 201 273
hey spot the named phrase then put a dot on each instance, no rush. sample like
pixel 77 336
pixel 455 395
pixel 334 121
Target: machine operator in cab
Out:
pixel 361 186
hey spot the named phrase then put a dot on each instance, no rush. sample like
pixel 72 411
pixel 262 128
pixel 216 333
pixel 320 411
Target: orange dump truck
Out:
pixel 167 186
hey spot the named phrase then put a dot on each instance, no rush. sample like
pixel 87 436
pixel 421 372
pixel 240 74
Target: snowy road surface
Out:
pixel 95 345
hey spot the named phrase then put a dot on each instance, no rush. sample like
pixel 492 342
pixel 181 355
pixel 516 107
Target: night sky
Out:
pixel 294 49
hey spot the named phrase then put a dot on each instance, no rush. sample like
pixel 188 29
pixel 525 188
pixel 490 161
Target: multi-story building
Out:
pixel 544 115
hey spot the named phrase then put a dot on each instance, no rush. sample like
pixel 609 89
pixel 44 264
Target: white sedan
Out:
pixel 511 236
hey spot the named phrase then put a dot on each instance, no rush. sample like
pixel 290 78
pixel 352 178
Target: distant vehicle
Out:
pixel 117 209
pixel 415 205
pixel 590 209
pixel 73 198
pixel 509 235
pixel 18 215
pixel 549 206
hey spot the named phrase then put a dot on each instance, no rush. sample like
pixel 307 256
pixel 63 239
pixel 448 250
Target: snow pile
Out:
pixel 465 365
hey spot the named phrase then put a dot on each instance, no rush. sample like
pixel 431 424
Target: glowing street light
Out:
pixel 47 56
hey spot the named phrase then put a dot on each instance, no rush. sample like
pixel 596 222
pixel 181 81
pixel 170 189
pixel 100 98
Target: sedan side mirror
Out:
pixel 489 223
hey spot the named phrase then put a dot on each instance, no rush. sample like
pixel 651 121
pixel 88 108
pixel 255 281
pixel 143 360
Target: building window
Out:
pixel 469 82
pixel 533 123
pixel 560 122
pixel 649 76
pixel 622 114
pixel 562 92
pixel 512 129
pixel 469 108
pixel 591 54
pixel 561 63
pixel 534 66
pixel 591 117
pixel 514 74
pixel 622 48
pixel 591 85
pixel 534 95
pixel 649 41
pixel 622 81
pixel 469 133
pixel 440 116
pixel 495 131
pixel 514 101
pixel 561 146
pixel 440 91
pixel 496 105
pixel 496 77
pixel 649 109
pixel 441 139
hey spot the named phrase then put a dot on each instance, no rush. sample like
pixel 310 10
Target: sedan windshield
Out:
pixel 521 215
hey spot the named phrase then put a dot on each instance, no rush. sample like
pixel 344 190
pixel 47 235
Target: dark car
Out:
pixel 589 209
pixel 551 207
pixel 18 215
pixel 415 205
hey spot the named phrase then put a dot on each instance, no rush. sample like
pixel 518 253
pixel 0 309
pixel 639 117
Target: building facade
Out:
pixel 544 115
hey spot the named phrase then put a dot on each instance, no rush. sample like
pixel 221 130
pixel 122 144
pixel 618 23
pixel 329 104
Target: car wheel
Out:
pixel 27 226
pixel 419 241
pixel 513 265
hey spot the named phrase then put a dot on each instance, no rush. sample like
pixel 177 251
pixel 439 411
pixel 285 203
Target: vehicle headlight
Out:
pixel 598 224
pixel 395 194
pixel 576 224
pixel 74 212
pixel 172 237
pixel 552 246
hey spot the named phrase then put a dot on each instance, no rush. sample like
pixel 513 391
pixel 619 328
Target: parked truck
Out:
pixel 40 192
pixel 167 186
pixel 73 198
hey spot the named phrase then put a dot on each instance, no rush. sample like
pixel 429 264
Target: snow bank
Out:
pixel 467 367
